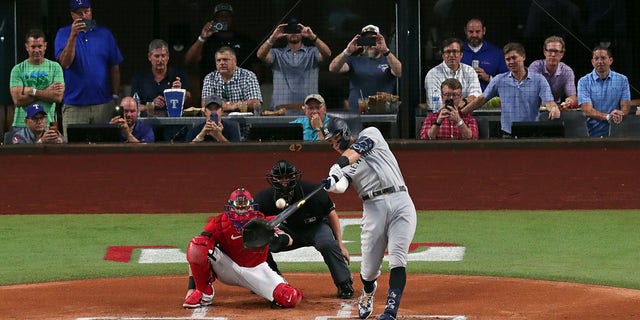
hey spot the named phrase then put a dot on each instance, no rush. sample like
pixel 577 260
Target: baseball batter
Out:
pixel 389 216
pixel 218 253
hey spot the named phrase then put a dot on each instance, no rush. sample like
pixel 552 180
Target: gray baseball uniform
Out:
pixel 389 216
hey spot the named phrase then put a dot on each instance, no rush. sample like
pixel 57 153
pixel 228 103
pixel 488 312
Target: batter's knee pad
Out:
pixel 198 249
pixel 287 296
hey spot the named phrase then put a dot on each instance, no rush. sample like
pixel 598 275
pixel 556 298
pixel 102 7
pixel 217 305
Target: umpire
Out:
pixel 314 224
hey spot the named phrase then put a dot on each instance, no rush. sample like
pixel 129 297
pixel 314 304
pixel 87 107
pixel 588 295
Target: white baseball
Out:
pixel 280 203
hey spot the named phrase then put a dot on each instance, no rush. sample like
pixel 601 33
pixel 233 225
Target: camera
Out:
pixel 220 26
pixel 214 117
pixel 365 41
pixel 292 28
pixel 118 111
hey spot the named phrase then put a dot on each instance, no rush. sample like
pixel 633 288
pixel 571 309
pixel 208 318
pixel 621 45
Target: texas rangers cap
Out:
pixel 370 29
pixel 223 7
pixel 213 99
pixel 314 96
pixel 34 109
pixel 75 4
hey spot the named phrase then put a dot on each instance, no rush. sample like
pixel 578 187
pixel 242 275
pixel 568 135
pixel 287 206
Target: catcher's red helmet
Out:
pixel 240 208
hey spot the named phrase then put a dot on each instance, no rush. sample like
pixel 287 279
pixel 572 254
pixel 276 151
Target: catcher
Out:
pixel 314 224
pixel 218 253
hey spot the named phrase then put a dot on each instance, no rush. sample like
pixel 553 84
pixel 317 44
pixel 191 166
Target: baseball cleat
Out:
pixel 345 290
pixel 365 303
pixel 197 299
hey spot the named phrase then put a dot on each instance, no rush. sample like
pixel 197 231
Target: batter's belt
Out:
pixel 380 192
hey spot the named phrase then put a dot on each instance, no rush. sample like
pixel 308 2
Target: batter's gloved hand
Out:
pixel 336 172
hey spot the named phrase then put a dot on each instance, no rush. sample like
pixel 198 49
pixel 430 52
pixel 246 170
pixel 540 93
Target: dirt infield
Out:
pixel 468 297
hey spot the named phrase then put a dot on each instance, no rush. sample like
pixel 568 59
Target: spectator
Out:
pixel 559 75
pixel 90 58
pixel 295 67
pixel 238 87
pixel 219 33
pixel 449 123
pixel 36 80
pixel 150 85
pixel 521 92
pixel 371 67
pixel 315 111
pixel 490 60
pixel 218 253
pixel 214 129
pixel 36 128
pixel 603 94
pixel 132 128
pixel 314 224
pixel 451 68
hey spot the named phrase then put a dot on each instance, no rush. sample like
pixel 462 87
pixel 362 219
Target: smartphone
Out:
pixel 214 117
pixel 53 125
pixel 365 41
pixel 292 28
pixel 89 24
pixel 119 111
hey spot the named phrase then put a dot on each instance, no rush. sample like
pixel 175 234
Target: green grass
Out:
pixel 599 247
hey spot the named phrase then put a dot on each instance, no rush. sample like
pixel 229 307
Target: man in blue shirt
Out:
pixel 133 129
pixel 90 60
pixel 603 94
pixel 521 92
pixel 295 66
pixel 483 56
pixel 315 117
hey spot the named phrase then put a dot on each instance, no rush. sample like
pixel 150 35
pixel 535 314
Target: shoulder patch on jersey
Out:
pixel 363 145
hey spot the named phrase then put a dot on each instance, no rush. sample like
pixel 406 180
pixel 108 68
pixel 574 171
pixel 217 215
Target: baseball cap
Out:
pixel 212 99
pixel 223 7
pixel 370 29
pixel 34 109
pixel 75 4
pixel 314 96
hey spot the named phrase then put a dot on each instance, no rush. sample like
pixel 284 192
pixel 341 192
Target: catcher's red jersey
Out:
pixel 225 235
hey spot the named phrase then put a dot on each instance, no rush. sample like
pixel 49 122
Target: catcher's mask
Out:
pixel 284 178
pixel 240 208
pixel 336 126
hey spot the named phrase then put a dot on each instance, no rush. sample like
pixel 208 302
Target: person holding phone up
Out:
pixel 35 130
pixel 295 66
pixel 449 123
pixel 371 66
pixel 126 118
pixel 214 128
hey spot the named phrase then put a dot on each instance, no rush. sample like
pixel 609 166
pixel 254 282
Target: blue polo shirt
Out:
pixel 605 96
pixel 520 101
pixel 308 133
pixel 88 79
pixel 142 132
pixel 490 58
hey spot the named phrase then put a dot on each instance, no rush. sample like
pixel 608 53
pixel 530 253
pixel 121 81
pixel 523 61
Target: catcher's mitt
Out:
pixel 257 233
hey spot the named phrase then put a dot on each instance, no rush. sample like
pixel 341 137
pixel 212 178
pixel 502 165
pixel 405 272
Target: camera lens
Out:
pixel 218 26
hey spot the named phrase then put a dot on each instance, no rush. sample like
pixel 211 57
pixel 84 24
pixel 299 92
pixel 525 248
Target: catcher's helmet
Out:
pixel 284 178
pixel 240 208
pixel 337 126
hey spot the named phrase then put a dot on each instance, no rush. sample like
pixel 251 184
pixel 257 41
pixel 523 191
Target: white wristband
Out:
pixel 201 39
pixel 199 138
pixel 269 43
pixel 460 123
pixel 346 53
pixel 33 92
pixel 608 117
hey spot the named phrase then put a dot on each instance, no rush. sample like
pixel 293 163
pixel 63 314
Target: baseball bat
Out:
pixel 292 208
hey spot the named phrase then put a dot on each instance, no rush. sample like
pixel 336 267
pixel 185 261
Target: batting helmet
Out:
pixel 240 208
pixel 337 126
pixel 284 178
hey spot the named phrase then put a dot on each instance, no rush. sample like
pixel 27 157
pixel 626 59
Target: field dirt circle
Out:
pixel 473 297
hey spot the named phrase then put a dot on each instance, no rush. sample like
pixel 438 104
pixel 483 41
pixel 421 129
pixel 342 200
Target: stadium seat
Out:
pixel 629 127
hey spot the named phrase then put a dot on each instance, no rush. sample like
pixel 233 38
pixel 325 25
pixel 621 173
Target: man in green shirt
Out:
pixel 36 80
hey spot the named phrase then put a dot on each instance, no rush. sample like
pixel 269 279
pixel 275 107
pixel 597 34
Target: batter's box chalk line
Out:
pixel 346 309
pixel 153 318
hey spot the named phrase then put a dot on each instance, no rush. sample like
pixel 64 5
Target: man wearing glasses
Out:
pixel 238 87
pixel 449 123
pixel 559 75
pixel 36 130
pixel 451 68
pixel 315 117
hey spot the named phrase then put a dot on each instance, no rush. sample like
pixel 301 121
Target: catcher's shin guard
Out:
pixel 197 255
pixel 287 296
